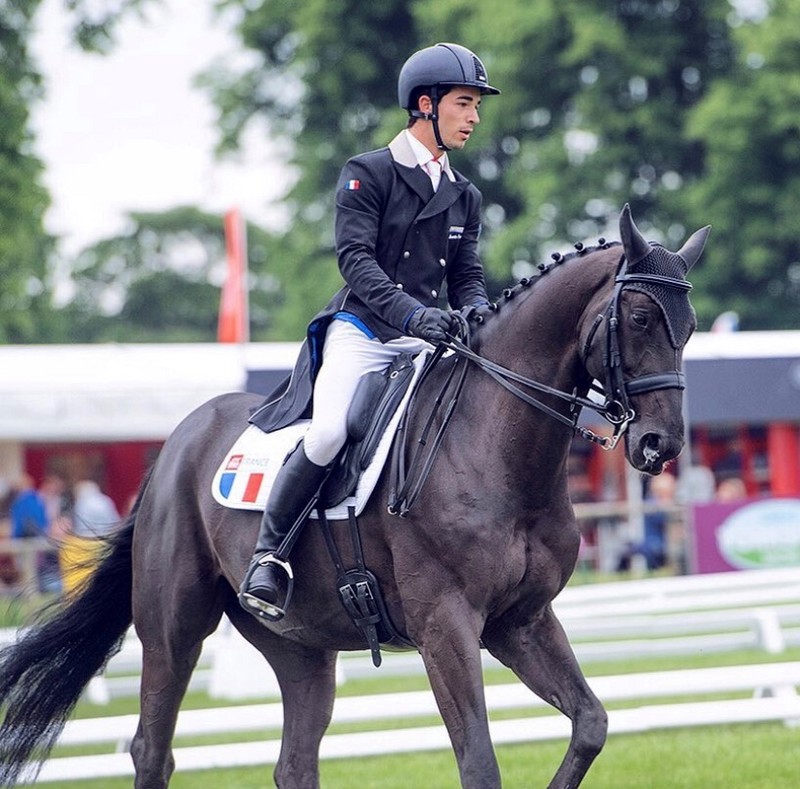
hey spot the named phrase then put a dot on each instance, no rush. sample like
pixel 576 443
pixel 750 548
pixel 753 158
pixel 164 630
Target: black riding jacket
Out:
pixel 399 245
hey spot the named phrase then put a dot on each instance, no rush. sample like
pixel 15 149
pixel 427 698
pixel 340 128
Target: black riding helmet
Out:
pixel 442 65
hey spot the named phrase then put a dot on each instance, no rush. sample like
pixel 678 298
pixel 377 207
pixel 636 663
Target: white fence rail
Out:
pixel 773 685
pixel 613 621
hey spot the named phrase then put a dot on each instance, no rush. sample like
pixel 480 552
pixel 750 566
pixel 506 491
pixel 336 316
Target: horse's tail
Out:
pixel 43 674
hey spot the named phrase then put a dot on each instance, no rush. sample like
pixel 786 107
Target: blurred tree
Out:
pixel 94 23
pixel 684 108
pixel 160 281
pixel 24 244
pixel 749 128
pixel 592 116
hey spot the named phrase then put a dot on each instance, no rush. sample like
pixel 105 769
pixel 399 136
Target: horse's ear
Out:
pixel 634 243
pixel 693 247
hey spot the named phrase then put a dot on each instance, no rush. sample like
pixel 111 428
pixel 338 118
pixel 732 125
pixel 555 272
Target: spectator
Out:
pixel 28 514
pixel 662 493
pixel 653 548
pixel 93 514
pixel 29 520
pixel 731 489
pixel 53 492
pixel 696 484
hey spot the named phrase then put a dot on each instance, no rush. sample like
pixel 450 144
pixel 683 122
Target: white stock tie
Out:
pixel 434 168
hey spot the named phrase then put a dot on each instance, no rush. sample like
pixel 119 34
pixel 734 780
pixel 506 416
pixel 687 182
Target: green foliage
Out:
pixel 687 110
pixel 94 24
pixel 596 98
pixel 24 245
pixel 750 190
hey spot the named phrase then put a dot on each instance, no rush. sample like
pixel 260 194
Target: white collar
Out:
pixel 423 156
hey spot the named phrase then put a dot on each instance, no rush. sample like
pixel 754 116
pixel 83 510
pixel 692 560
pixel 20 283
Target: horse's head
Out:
pixel 636 349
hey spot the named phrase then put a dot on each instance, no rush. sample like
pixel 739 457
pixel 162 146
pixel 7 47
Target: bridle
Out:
pixel 615 391
pixel 616 407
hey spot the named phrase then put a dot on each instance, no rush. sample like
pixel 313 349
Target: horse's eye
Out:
pixel 639 318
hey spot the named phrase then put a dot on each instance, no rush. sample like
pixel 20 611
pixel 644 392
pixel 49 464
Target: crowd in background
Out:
pixel 69 517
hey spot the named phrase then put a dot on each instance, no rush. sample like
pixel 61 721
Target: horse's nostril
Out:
pixel 651 447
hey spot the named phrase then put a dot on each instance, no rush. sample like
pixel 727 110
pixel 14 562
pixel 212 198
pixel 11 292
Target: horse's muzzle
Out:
pixel 650 451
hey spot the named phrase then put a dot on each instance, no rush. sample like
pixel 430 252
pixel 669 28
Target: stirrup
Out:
pixel 271 612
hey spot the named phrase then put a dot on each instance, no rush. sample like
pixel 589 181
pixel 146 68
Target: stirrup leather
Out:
pixel 261 608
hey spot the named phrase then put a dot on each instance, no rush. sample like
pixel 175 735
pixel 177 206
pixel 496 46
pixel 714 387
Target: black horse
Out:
pixel 476 562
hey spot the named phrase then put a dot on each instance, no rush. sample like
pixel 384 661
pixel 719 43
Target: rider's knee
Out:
pixel 323 443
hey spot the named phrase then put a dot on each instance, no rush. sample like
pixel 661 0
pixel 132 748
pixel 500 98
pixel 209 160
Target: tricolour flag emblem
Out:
pixel 353 185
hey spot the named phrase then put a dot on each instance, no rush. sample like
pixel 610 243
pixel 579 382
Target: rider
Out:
pixel 406 222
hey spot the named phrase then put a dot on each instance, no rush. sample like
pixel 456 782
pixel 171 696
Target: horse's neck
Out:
pixel 538 334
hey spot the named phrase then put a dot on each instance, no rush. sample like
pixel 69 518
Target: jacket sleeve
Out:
pixel 466 283
pixel 360 201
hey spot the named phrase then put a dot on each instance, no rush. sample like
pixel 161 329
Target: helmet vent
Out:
pixel 480 71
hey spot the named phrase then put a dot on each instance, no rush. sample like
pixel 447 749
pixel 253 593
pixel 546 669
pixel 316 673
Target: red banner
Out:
pixel 234 321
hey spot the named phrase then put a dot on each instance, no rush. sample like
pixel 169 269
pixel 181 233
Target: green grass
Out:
pixel 723 757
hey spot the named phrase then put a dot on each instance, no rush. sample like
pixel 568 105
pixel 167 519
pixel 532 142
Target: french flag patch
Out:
pixel 353 185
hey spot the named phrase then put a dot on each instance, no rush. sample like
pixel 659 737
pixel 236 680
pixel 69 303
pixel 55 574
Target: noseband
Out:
pixel 616 407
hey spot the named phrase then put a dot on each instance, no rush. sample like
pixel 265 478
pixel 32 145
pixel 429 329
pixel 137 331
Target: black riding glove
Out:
pixel 431 324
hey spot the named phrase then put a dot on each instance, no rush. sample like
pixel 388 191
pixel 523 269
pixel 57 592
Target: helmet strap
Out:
pixel 433 117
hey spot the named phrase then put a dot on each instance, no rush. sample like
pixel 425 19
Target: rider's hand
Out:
pixel 431 324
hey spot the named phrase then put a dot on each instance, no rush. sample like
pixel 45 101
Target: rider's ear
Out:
pixel 634 243
pixel 693 248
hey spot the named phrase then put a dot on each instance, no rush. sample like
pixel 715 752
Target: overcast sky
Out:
pixel 130 132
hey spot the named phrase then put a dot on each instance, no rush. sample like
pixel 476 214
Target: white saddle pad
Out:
pixel 246 475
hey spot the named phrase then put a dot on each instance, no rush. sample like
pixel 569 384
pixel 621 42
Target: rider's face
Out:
pixel 458 115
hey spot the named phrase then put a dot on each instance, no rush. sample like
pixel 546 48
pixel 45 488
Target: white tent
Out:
pixel 120 392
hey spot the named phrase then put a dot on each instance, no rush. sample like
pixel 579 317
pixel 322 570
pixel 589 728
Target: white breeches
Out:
pixel 347 355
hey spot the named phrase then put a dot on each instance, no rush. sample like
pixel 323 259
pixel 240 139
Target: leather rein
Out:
pixel 616 407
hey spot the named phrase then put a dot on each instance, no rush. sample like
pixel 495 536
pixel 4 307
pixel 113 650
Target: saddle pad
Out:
pixel 246 475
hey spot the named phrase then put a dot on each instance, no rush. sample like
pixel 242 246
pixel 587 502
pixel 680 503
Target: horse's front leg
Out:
pixel 538 652
pixel 448 640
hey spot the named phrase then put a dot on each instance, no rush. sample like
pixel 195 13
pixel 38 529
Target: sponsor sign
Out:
pixel 747 534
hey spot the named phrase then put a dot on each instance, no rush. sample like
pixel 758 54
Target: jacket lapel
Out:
pixel 447 193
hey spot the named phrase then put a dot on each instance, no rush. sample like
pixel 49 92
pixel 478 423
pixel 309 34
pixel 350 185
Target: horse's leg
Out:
pixel 539 653
pixel 307 678
pixel 449 644
pixel 176 605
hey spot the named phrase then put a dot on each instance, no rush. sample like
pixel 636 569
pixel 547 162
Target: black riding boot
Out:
pixel 264 589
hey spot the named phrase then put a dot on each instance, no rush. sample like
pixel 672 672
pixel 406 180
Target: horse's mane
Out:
pixel 557 260
pixel 480 332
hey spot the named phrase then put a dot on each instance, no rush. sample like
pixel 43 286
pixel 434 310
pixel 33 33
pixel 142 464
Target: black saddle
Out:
pixel 375 401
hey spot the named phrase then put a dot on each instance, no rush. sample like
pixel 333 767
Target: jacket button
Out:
pixel 434 293
pixel 406 254
pixel 399 286
pixel 442 262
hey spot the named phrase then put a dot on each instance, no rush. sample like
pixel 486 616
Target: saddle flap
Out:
pixel 375 402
